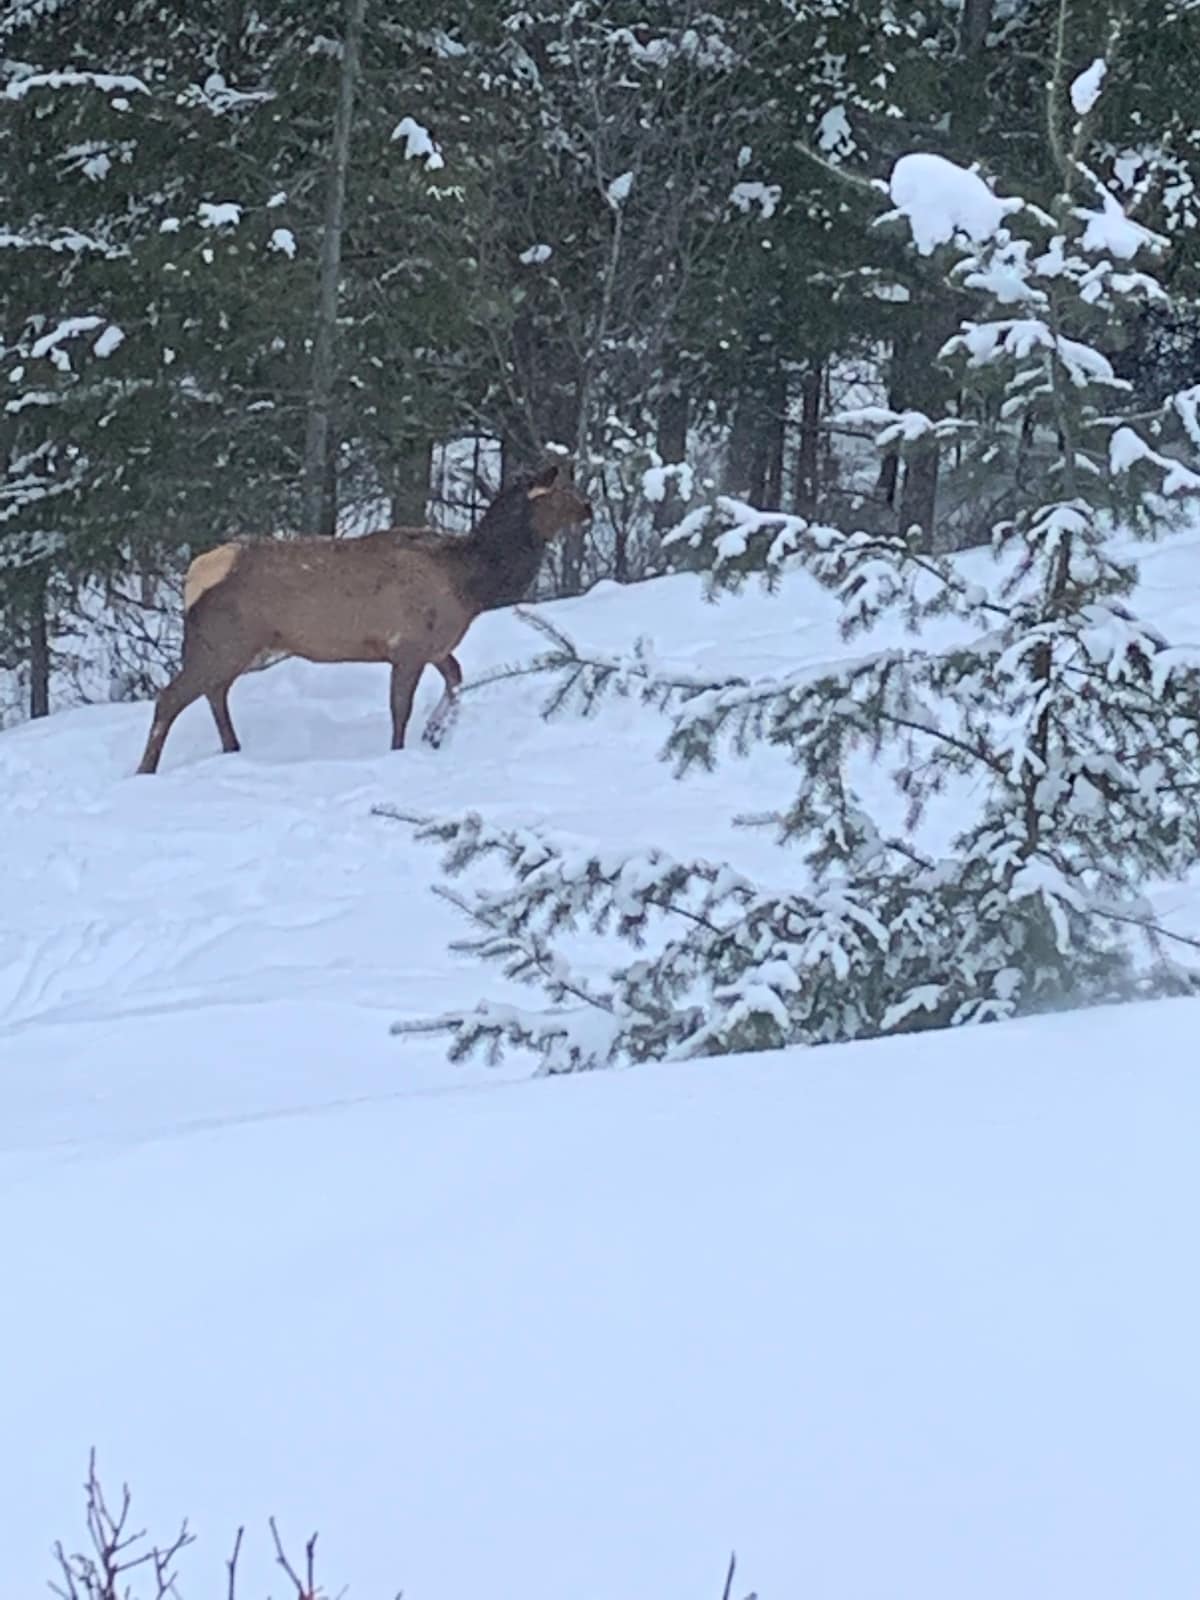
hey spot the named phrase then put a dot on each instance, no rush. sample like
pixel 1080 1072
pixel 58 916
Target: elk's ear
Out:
pixel 544 482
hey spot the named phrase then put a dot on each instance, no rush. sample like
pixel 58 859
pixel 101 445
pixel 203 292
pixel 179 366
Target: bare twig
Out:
pixel 231 1566
pixel 98 1574
pixel 728 1594
pixel 306 1590
pixel 728 1591
pixel 1153 930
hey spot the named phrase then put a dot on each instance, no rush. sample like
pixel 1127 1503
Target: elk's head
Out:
pixel 555 503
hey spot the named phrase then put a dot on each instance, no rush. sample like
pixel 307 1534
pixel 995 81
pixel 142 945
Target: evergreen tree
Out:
pixel 1062 727
pixel 112 230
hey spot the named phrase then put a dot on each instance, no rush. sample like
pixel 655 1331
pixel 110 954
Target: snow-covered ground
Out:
pixel 908 1319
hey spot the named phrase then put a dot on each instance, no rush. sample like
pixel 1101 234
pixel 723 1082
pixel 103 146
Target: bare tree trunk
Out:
pixel 621 551
pixel 919 384
pixel 808 461
pixel 918 381
pixel 410 484
pixel 774 436
pixel 319 513
pixel 754 462
pixel 888 480
pixel 568 420
pixel 671 444
pixel 572 546
pixel 746 460
pixel 739 452
pixel 39 651
pixel 918 498
pixel 974 25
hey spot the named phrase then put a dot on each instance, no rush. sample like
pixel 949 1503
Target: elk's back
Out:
pixel 366 599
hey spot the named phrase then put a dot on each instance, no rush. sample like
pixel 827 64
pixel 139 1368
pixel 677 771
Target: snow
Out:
pixel 1085 90
pixel 833 132
pixel 418 144
pixel 226 214
pixel 111 339
pixel 535 255
pixel 618 190
pixel 1110 231
pixel 283 240
pixel 766 196
pixel 220 96
pixel 1020 337
pixel 1124 448
pixel 69 328
pixel 657 480
pixel 106 82
pixel 1127 447
pixel 941 200
pixel 892 1319
pixel 896 426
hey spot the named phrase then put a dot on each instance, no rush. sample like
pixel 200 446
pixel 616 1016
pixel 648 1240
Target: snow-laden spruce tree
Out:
pixel 1065 731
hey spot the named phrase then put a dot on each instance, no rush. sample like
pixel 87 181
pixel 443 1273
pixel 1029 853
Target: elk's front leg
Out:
pixel 405 676
pixel 447 707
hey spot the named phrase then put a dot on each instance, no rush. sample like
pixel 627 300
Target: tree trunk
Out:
pixel 319 512
pixel 808 460
pixel 973 28
pixel 888 480
pixel 917 380
pixel 918 498
pixel 621 552
pixel 919 384
pixel 774 435
pixel 567 421
pixel 572 545
pixel 510 459
pixel 671 444
pixel 39 651
pixel 410 484
pixel 754 463
pixel 746 458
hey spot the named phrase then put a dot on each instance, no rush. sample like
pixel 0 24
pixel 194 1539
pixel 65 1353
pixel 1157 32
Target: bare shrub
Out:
pixel 119 1562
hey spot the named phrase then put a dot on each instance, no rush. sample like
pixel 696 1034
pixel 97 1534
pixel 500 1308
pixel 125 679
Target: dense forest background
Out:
pixel 321 266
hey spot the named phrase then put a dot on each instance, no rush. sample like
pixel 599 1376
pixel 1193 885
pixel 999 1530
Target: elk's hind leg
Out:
pixel 218 700
pixel 406 674
pixel 183 688
pixel 216 649
pixel 443 714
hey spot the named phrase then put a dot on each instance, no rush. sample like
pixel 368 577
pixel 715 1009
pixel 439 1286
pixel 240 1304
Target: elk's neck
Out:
pixel 501 563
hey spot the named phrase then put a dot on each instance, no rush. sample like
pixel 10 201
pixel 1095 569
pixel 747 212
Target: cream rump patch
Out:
pixel 207 571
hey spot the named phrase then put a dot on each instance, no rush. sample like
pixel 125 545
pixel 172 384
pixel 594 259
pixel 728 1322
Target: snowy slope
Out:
pixel 902 1319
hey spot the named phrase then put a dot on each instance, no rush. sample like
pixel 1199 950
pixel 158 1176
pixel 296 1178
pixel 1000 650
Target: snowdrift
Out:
pixel 903 1319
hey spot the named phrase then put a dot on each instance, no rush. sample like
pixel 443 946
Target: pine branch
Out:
pixel 1147 925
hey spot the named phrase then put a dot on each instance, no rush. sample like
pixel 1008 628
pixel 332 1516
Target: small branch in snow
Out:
pixel 105 82
pixel 1153 930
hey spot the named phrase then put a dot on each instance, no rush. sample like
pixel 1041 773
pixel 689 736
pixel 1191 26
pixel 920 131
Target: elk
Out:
pixel 402 595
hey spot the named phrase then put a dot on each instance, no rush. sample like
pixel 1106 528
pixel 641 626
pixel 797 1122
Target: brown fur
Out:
pixel 405 595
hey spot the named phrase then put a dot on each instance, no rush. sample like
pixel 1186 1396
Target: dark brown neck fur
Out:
pixel 502 557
